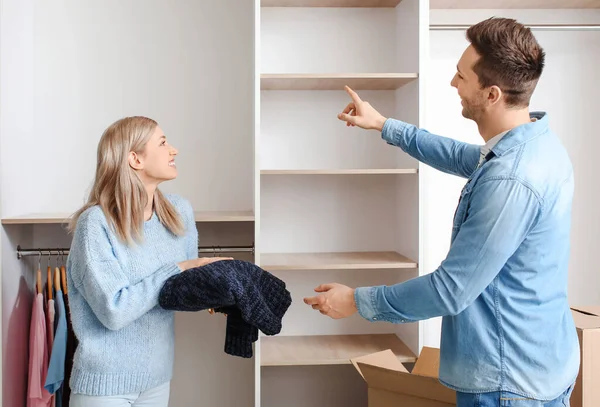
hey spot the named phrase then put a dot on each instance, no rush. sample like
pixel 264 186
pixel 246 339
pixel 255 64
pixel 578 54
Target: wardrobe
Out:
pixel 248 91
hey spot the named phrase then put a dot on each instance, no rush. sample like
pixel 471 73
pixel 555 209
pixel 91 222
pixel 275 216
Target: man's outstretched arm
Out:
pixel 442 153
pixel 501 214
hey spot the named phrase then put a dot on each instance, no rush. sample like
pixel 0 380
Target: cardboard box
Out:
pixel 587 389
pixel 390 384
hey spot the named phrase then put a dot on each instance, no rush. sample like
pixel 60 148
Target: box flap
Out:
pixel 405 383
pixel 428 363
pixel 586 317
pixel 588 309
pixel 386 359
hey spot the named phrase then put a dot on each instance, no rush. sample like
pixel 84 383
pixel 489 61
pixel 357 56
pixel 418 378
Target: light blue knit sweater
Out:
pixel 126 341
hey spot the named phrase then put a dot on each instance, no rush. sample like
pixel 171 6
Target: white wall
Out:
pixel 291 37
pixel 71 68
pixel 567 90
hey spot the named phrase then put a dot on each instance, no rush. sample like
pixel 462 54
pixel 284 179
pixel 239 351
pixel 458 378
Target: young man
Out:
pixel 507 330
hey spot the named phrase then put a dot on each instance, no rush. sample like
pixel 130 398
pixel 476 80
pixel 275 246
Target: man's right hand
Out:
pixel 199 262
pixel 362 114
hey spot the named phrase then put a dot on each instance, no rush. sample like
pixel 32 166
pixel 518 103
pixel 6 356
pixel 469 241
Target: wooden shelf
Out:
pixel 37 218
pixel 329 3
pixel 378 81
pixel 513 4
pixel 335 261
pixel 340 172
pixel 224 216
pixel 61 218
pixel 328 349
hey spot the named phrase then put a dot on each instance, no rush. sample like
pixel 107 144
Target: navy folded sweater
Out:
pixel 251 297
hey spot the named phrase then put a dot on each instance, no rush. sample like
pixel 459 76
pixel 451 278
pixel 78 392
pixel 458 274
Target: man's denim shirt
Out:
pixel 502 289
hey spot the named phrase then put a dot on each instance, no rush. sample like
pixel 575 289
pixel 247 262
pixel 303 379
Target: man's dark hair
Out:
pixel 510 58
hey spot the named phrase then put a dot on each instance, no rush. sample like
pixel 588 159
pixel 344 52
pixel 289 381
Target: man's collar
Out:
pixel 522 134
pixel 494 140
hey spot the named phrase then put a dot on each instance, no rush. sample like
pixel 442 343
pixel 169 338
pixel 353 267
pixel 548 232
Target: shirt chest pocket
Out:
pixel 463 205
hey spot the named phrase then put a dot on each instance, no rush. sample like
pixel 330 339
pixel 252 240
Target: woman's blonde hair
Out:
pixel 118 189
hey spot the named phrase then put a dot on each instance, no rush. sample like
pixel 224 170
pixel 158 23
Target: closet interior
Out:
pixel 337 204
pixel 249 92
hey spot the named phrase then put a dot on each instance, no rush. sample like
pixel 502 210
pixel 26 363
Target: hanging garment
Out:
pixel 50 317
pixel 37 395
pixel 56 368
pixel 251 297
pixel 50 311
pixel 50 320
pixel 71 345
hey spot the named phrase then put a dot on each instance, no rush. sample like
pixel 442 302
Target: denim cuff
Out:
pixel 392 131
pixel 365 303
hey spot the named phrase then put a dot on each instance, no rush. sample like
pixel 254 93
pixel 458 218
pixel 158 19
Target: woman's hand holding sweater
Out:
pixel 199 262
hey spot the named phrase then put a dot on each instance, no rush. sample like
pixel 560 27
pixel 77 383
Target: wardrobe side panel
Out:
pixel 408 108
pixel 409 105
pixel 257 181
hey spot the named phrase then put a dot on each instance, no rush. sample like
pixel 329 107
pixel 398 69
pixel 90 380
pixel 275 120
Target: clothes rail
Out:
pixel 65 251
pixel 542 27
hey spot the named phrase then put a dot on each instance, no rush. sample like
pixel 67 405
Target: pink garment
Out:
pixel 50 314
pixel 37 396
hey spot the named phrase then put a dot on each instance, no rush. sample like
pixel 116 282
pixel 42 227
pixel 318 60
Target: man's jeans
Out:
pixel 506 399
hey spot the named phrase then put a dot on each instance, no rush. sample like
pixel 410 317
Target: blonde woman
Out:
pixel 128 239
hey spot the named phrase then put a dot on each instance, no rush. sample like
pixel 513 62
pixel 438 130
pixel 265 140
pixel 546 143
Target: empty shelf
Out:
pixel 513 4
pixel 37 218
pixel 335 261
pixel 328 349
pixel 224 216
pixel 329 3
pixel 340 172
pixel 377 81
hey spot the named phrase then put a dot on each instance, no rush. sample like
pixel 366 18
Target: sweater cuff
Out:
pixel 239 345
pixel 169 270
pixel 164 274
pixel 239 337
